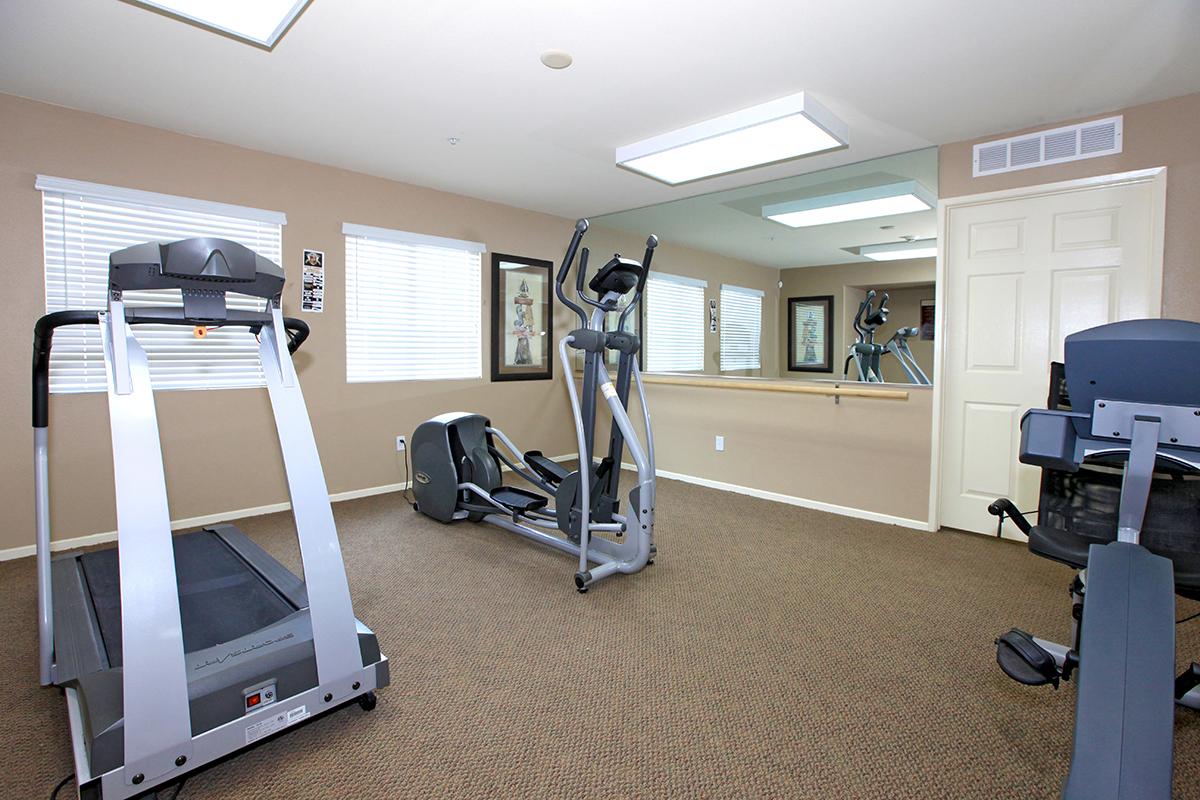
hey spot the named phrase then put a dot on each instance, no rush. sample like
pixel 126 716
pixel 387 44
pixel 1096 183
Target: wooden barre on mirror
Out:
pixel 752 385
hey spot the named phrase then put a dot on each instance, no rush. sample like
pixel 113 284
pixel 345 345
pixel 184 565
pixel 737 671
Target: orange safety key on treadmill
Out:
pixel 200 331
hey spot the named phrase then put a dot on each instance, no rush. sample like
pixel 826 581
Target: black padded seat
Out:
pixel 1071 549
pixel 520 500
pixel 1059 545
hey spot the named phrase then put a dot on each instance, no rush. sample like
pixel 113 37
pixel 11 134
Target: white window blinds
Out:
pixel 83 222
pixel 741 328
pixel 675 320
pixel 413 306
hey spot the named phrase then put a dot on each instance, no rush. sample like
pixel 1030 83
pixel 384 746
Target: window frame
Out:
pixel 746 291
pixel 678 280
pixel 353 232
pixel 71 267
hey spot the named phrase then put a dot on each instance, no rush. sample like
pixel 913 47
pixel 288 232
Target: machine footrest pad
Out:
pixel 1025 661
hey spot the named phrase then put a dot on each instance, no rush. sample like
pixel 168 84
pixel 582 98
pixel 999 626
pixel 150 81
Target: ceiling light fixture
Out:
pixel 557 59
pixel 894 251
pixel 260 22
pixel 782 129
pixel 874 201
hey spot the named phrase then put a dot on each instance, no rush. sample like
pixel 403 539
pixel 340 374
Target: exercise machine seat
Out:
pixel 1059 545
pixel 1125 712
pixel 1071 549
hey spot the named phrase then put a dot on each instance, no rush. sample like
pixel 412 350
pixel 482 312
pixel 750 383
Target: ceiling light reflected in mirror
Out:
pixel 918 248
pixel 874 201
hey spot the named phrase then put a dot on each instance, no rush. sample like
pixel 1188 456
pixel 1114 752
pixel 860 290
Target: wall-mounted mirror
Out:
pixel 768 280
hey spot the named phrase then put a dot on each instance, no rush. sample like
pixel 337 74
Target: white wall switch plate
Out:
pixel 720 444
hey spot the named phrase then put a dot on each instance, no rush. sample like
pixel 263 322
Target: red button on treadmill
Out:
pixel 253 700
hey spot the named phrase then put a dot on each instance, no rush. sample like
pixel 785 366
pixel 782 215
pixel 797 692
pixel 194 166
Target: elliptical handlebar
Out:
pixel 862 309
pixel 580 229
pixel 651 243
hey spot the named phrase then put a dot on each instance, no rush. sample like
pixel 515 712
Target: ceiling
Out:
pixel 379 86
pixel 731 223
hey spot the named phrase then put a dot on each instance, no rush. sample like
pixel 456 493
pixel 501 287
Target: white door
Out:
pixel 1021 274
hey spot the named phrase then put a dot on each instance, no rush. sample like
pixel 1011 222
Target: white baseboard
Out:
pixel 59 545
pixel 354 494
pixel 791 500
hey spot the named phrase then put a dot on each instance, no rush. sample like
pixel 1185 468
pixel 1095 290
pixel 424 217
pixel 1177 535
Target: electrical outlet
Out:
pixel 720 444
pixel 401 444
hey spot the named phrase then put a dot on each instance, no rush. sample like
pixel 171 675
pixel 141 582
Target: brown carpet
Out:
pixel 771 652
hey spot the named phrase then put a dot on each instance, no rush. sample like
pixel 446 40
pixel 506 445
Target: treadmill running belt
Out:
pixel 220 597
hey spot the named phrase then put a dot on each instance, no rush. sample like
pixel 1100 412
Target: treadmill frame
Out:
pixel 158 739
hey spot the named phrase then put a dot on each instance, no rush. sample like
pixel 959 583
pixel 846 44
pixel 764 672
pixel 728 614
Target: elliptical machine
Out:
pixel 865 353
pixel 457 465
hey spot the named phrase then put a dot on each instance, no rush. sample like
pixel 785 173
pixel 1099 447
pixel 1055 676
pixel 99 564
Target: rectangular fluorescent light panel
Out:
pixel 260 22
pixel 918 248
pixel 786 128
pixel 874 201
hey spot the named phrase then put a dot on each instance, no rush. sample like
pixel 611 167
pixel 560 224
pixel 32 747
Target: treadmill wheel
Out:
pixel 368 701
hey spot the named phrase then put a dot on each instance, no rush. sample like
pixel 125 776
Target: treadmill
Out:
pixel 176 651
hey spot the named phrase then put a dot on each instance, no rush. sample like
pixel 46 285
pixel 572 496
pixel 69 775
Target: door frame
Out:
pixel 1156 176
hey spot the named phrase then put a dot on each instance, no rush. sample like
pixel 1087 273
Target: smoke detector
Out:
pixel 557 59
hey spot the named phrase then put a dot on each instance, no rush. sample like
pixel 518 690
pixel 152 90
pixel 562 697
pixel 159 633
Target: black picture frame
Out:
pixel 506 268
pixel 825 301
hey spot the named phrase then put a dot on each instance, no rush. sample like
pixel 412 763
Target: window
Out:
pixel 741 328
pixel 674 323
pixel 413 306
pixel 83 222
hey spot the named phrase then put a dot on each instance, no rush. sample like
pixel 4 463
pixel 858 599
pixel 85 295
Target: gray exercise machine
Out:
pixel 458 458
pixel 898 347
pixel 865 352
pixel 1119 448
pixel 176 651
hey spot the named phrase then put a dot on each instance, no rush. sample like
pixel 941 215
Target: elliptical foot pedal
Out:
pixel 1026 661
pixel 1185 683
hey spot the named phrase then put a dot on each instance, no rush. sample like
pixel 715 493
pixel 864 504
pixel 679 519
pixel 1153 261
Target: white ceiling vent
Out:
pixel 1100 137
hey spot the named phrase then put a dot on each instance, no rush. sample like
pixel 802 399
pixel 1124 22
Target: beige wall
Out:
pixel 837 280
pixel 220 448
pixel 710 267
pixel 1166 133
pixel 860 453
pixel 829 451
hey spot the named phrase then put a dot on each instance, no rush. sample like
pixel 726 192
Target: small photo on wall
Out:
pixel 522 318
pixel 810 334
pixel 312 287
pixel 928 314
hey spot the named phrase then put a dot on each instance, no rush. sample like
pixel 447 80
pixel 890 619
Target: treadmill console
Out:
pixel 203 269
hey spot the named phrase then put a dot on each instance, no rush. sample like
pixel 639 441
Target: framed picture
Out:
pixel 522 318
pixel 810 334
pixel 928 313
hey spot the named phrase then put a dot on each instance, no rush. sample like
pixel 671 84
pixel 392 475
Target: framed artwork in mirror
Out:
pixel 810 334
pixel 522 318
